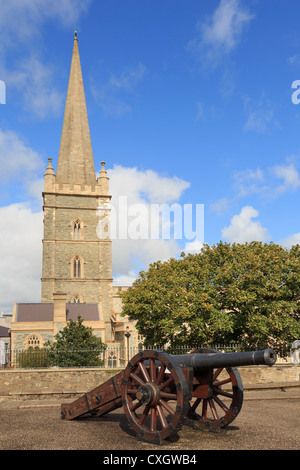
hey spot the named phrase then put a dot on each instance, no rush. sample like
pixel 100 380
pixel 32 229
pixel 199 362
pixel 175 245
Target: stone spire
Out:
pixel 75 160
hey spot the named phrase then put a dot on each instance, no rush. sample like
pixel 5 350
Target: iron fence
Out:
pixel 110 357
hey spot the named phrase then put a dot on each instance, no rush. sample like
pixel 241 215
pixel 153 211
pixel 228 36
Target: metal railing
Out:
pixel 110 357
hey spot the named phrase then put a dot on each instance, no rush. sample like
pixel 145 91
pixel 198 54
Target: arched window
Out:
pixel 77 267
pixel 76 299
pixel 33 341
pixel 140 339
pixel 112 360
pixel 77 230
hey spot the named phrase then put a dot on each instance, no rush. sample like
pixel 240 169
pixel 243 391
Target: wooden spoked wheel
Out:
pixel 155 395
pixel 224 399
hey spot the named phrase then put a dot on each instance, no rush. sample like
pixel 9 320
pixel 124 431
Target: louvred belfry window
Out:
pixel 77 230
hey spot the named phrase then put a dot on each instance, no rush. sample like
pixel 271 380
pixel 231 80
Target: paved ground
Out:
pixel 269 420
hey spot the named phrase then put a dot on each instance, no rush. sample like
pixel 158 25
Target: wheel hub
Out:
pixel 148 394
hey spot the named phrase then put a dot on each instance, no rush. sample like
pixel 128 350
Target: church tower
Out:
pixel 76 255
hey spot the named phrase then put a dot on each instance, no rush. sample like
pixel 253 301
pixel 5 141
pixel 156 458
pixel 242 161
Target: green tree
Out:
pixel 248 293
pixel 76 346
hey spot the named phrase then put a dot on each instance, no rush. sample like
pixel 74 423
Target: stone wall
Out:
pixel 49 381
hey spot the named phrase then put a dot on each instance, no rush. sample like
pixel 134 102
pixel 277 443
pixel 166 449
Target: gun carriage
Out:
pixel 158 391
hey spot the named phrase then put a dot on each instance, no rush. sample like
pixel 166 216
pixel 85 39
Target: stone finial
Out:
pixel 75 35
pixel 103 180
pixel 50 169
pixel 103 168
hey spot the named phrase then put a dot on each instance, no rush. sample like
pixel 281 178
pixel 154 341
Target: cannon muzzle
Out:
pixel 217 359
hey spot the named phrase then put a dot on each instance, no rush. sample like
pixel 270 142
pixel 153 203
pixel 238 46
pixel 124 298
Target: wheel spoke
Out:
pixel 144 372
pixel 161 374
pixel 131 390
pixel 213 409
pixel 144 414
pixel 166 383
pixel 136 378
pixel 217 373
pixel 194 406
pixel 218 391
pixel 161 416
pixel 170 396
pixel 152 370
pixel 153 420
pixel 222 382
pixel 166 406
pixel 221 404
pixel 135 406
pixel 204 410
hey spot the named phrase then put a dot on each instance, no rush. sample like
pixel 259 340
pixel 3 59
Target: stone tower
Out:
pixel 77 260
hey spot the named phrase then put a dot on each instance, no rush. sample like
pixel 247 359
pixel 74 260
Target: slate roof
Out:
pixel 44 312
pixel 4 332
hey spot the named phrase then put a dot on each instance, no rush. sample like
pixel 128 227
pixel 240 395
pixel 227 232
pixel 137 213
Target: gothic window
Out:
pixel 140 339
pixel 76 267
pixel 112 360
pixel 33 341
pixel 77 230
pixel 76 299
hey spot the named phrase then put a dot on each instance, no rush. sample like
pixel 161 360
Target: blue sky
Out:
pixel 189 102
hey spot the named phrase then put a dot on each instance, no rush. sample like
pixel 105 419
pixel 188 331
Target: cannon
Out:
pixel 159 391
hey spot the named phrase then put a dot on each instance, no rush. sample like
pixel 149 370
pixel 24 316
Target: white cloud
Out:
pixel 291 240
pixel 221 206
pixel 20 30
pixel 125 280
pixel 289 175
pixel 21 255
pixel 221 33
pixel 261 120
pixel 113 95
pixel 17 159
pixel 265 182
pixel 142 189
pixel 243 229
pixel 21 21
pixel 34 82
pixel 249 181
pixel 200 110
pixel 144 185
pixel 261 116
pixel 193 247
pixel 294 60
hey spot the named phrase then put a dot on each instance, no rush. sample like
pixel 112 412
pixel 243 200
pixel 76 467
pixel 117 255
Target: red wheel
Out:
pixel 155 395
pixel 223 402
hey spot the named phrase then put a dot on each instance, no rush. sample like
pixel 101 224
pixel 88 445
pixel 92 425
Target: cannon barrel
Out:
pixel 218 359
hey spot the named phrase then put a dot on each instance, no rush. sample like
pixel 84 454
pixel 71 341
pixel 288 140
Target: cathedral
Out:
pixel 77 260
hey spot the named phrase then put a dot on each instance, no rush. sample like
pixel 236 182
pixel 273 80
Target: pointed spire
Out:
pixel 75 160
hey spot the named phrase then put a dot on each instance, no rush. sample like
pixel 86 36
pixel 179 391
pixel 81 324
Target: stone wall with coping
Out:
pixel 49 381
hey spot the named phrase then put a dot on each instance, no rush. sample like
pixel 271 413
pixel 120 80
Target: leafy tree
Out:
pixel 247 293
pixel 76 346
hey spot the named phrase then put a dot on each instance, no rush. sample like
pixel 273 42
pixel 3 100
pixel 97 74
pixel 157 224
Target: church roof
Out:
pixel 4 332
pixel 44 312
pixel 75 161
